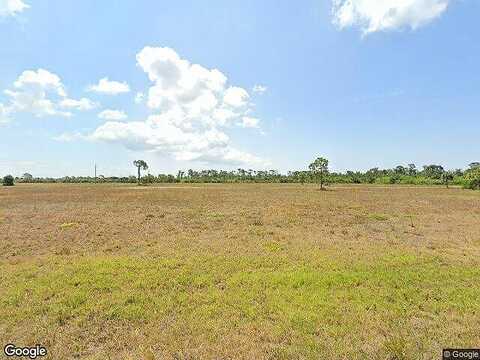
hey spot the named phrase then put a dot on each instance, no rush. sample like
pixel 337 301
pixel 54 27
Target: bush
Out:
pixel 384 180
pixel 407 180
pixel 8 180
pixel 472 179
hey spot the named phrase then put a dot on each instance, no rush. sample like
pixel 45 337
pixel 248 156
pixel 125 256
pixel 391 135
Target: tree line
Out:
pixel 318 172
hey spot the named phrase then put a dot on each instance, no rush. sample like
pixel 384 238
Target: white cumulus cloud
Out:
pixel 139 96
pixel 41 78
pixel 42 93
pixel 112 115
pixel 69 137
pixel 12 7
pixel 259 89
pixel 192 106
pixel 250 122
pixel 383 15
pixel 82 104
pixel 162 136
pixel 33 92
pixel 236 97
pixel 109 87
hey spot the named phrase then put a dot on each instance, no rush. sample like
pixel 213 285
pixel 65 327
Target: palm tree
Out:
pixel 140 164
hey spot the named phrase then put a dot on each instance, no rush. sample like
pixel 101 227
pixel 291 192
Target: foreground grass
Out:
pixel 402 306
pixel 240 271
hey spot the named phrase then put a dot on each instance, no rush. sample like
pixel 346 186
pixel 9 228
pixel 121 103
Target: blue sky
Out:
pixel 251 84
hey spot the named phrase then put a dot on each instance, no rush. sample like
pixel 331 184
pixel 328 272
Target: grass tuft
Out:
pixel 65 226
pixel 378 217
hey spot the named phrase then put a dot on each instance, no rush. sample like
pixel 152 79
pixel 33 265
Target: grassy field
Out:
pixel 239 271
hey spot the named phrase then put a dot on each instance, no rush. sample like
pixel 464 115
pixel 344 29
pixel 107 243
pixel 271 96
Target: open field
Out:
pixel 241 271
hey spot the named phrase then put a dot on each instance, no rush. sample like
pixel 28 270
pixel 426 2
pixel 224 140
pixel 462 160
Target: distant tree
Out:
pixel 447 176
pixel 400 170
pixel 372 175
pixel 394 178
pixel 412 170
pixel 303 177
pixel 180 175
pixel 355 177
pixel 474 165
pixel 433 171
pixel 472 179
pixel 149 179
pixel 458 172
pixel 319 168
pixel 140 165
pixel 8 180
pixel 27 177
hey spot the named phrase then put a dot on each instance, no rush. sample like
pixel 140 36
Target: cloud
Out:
pixel 108 87
pixel 250 122
pixel 33 91
pixel 236 97
pixel 42 93
pixel 4 114
pixel 139 96
pixel 179 84
pixel 374 15
pixel 12 7
pixel 192 106
pixel 157 135
pixel 259 89
pixel 41 78
pixel 112 115
pixel 83 104
pixel 69 137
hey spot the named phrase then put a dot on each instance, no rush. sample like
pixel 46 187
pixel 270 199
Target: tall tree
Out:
pixel 412 170
pixel 8 180
pixel 400 170
pixel 433 171
pixel 27 177
pixel 319 168
pixel 140 165
pixel 447 176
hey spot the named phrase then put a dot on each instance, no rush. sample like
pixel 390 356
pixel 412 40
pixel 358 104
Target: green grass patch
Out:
pixel 273 246
pixel 378 217
pixel 117 286
pixel 66 226
pixel 302 300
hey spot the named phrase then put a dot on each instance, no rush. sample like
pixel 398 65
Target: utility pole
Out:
pixel 95 172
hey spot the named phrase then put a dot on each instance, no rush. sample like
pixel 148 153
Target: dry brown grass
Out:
pixel 239 271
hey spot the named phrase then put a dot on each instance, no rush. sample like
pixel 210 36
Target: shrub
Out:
pixel 472 179
pixel 394 179
pixel 383 180
pixel 407 180
pixel 8 180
